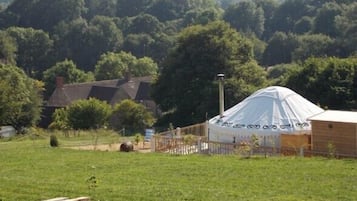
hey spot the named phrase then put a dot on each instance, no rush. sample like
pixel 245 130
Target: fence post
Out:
pixel 302 151
pixel 153 143
pixel 178 131
pixel 199 145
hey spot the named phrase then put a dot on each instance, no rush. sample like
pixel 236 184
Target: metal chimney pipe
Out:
pixel 221 93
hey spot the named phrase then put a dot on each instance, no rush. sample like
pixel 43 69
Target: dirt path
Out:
pixel 114 147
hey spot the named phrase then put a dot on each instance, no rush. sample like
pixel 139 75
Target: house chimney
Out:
pixel 221 94
pixel 59 81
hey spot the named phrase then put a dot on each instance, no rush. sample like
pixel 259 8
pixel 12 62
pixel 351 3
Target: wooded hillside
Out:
pixel 161 35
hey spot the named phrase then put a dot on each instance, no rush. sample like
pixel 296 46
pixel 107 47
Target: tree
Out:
pixel 70 40
pixel 278 74
pixel 41 14
pixel 187 89
pixel 279 49
pixel 315 45
pixel 33 49
pixel 226 3
pixel 347 26
pixel 145 23
pixel 303 25
pixel 160 47
pixel 130 8
pixel 131 116
pixel 116 65
pixel 138 44
pixel 331 82
pixel 8 49
pixel 144 66
pixel 20 98
pixel 100 7
pixel 66 69
pixel 88 114
pixel 246 79
pixel 166 10
pixel 289 12
pixel 269 8
pixel 18 13
pixel 46 14
pixel 60 120
pixel 103 36
pixel 110 66
pixel 202 17
pixel 325 19
pixel 84 43
pixel 246 17
pixel 258 47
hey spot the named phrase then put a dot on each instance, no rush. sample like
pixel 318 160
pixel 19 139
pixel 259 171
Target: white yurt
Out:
pixel 269 111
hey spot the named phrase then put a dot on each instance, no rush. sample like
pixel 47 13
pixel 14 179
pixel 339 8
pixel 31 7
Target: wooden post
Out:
pixel 221 94
pixel 356 139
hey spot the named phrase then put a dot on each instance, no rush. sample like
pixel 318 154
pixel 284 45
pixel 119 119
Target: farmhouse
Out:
pixel 335 131
pixel 111 91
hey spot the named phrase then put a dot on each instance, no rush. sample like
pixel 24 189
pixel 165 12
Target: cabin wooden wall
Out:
pixel 342 137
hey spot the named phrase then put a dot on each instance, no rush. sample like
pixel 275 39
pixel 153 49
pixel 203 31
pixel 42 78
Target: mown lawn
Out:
pixel 31 170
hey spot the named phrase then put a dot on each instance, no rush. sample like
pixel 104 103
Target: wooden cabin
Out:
pixel 334 131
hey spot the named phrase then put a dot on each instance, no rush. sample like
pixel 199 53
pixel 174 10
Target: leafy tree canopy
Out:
pixel 246 17
pixel 202 17
pixel 33 49
pixel 66 69
pixel 115 66
pixel 84 42
pixel 187 86
pixel 304 25
pixel 131 116
pixel 279 49
pixel 145 23
pixel 325 19
pixel 289 12
pixel 60 119
pixel 88 114
pixel 8 48
pixel 314 45
pixel 45 14
pixel 330 82
pixel 100 7
pixel 20 98
pixel 347 26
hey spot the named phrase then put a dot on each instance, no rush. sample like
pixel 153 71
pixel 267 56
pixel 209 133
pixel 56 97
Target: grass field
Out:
pixel 31 170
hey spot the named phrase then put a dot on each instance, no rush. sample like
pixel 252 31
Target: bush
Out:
pixel 88 114
pixel 132 116
pixel 53 141
pixel 138 138
pixel 189 139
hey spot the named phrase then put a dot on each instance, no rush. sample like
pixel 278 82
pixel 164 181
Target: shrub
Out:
pixel 53 141
pixel 189 139
pixel 138 138
pixel 132 116
pixel 88 114
pixel 331 150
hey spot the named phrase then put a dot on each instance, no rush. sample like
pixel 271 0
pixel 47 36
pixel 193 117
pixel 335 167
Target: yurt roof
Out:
pixel 271 109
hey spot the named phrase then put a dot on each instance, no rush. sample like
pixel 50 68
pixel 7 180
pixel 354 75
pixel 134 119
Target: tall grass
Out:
pixel 32 170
